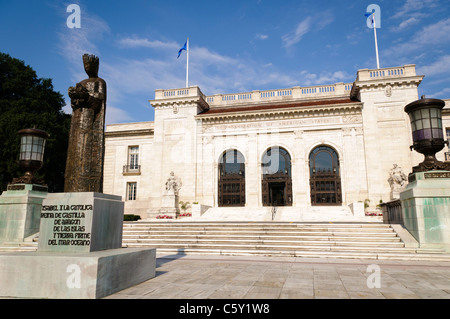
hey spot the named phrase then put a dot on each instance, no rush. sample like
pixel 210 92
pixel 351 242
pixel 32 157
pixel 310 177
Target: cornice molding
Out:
pixel 383 82
pixel 353 108
pixel 128 133
pixel 186 101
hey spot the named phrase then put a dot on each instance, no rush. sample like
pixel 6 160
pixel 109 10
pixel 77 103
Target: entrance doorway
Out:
pixel 276 178
pixel 277 194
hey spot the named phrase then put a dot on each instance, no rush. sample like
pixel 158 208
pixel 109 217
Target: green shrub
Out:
pixel 131 217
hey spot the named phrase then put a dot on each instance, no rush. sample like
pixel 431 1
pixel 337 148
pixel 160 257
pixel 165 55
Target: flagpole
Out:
pixel 187 64
pixel 376 42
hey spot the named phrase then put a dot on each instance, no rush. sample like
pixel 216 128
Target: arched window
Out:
pixel 276 177
pixel 325 178
pixel 232 179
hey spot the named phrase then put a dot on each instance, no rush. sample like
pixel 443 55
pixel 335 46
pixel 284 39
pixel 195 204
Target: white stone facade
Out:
pixel 363 122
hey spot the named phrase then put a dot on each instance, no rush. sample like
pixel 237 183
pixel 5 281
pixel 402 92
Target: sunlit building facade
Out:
pixel 327 145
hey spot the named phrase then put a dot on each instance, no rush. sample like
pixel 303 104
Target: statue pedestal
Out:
pixel 20 210
pixel 169 205
pixel 79 253
pixel 395 193
pixel 81 222
pixel 74 276
pixel 426 208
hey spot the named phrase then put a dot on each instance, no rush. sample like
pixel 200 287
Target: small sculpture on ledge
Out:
pixel 173 184
pixel 397 180
pixel 169 201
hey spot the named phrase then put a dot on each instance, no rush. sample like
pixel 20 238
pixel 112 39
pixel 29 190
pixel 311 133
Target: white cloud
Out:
pixel 260 36
pixel 201 56
pixel 413 6
pixel 406 23
pixel 310 23
pixel 75 42
pixel 135 42
pixel 308 78
pixel 412 12
pixel 438 67
pixel 295 36
pixel 434 34
pixel 137 76
pixel 116 115
pixel 443 94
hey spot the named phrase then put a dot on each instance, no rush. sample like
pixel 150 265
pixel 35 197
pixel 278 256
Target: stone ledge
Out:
pixel 54 275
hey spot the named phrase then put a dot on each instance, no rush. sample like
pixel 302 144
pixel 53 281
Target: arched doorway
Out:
pixel 325 180
pixel 276 177
pixel 232 179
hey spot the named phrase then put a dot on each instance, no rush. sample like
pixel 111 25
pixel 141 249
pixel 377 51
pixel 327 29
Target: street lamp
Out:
pixel 428 137
pixel 32 146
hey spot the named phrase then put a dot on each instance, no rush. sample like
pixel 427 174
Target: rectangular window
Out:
pixel 131 191
pixel 133 157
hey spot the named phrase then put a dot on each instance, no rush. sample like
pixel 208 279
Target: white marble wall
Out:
pixel 116 156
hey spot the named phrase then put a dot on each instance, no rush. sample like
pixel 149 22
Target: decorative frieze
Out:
pixel 275 124
pixel 437 175
pixel 280 114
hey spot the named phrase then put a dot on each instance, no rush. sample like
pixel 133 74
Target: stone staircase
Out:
pixel 283 214
pixel 19 246
pixel 294 239
pixel 361 240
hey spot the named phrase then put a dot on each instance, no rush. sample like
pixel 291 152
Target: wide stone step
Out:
pixel 258 244
pixel 272 246
pixel 264 224
pixel 21 247
pixel 175 225
pixel 390 238
pixel 258 231
pixel 181 233
pixel 312 254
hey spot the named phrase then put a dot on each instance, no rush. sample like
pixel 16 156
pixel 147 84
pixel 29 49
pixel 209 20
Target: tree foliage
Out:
pixel 27 101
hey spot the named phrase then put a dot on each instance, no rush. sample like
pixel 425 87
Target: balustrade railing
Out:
pixel 132 169
pixel 281 94
pixel 318 91
pixel 447 156
pixel 392 212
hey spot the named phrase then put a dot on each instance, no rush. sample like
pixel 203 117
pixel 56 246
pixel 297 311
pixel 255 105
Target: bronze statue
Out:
pixel 84 165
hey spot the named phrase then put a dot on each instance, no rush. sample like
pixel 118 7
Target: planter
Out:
pixel 198 209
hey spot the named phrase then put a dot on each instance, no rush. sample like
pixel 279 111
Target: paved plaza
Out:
pixel 249 277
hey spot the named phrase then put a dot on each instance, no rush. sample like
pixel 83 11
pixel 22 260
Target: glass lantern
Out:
pixel 32 146
pixel 427 133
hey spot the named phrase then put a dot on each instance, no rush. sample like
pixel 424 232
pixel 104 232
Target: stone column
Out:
pixel 251 172
pixel 426 208
pixel 20 210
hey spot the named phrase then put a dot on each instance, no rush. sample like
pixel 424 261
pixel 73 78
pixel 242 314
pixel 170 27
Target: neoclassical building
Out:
pixel 327 145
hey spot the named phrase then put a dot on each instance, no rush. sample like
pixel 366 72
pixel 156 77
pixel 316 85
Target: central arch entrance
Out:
pixel 276 177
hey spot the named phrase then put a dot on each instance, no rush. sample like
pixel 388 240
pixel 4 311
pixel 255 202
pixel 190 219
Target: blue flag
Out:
pixel 370 14
pixel 183 48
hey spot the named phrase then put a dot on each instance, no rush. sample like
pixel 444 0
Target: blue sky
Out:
pixel 236 46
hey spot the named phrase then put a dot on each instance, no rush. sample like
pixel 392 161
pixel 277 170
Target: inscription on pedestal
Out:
pixel 68 223
pixel 80 222
pixel 437 175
